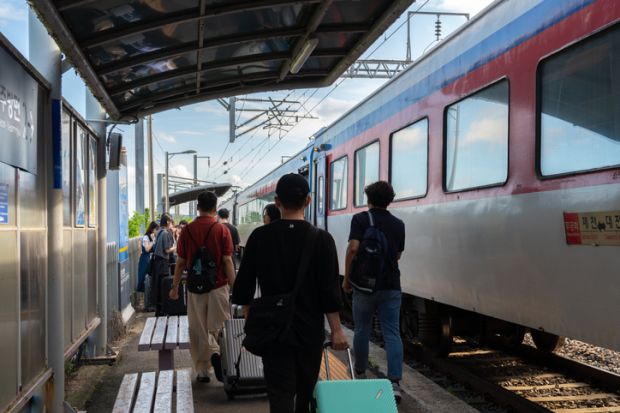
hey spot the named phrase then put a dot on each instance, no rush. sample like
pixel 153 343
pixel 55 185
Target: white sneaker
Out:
pixel 397 392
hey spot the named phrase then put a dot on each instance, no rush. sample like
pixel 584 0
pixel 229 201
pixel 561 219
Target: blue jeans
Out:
pixel 387 304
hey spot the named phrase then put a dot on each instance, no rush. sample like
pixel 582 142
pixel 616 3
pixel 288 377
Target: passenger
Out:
pixel 386 299
pixel 145 256
pixel 163 250
pixel 223 215
pixel 207 312
pixel 271 213
pixel 272 256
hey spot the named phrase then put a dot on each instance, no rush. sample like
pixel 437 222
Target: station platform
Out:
pixel 94 388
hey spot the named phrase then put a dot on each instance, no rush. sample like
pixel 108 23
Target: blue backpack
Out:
pixel 370 262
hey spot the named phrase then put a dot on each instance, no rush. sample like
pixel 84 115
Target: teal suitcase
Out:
pixel 353 396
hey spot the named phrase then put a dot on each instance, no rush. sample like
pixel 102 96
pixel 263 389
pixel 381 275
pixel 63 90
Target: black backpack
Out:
pixel 202 274
pixel 369 263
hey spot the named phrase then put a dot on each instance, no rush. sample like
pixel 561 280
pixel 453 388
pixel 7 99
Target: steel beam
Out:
pixel 186 17
pixel 193 46
pixel 237 81
pixel 190 70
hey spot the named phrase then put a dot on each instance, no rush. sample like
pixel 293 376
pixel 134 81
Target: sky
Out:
pixel 204 127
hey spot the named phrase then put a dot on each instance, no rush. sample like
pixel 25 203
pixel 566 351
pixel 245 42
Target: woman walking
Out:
pixel 145 257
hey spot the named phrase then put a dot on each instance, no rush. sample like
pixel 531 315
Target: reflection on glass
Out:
pixel 92 182
pixel 321 191
pixel 580 103
pixel 477 139
pixel 409 154
pixel 366 170
pixel 80 176
pixel 66 167
pixel 339 184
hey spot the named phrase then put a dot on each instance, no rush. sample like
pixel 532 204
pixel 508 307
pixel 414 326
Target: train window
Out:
pixel 476 145
pixel 409 160
pixel 579 104
pixel 366 170
pixel 320 192
pixel 80 176
pixel 92 182
pixel 338 184
pixel 66 167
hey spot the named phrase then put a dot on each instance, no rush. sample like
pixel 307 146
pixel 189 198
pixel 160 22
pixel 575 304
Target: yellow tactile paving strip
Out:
pixel 337 369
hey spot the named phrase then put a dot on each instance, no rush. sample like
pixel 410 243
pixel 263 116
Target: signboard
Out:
pixel 19 93
pixel 592 228
pixel 4 204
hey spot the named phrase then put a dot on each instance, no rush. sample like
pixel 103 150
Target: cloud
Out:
pixel 490 130
pixel 9 11
pixel 209 107
pixel 470 6
pixel 189 132
pixel 166 137
pixel 181 171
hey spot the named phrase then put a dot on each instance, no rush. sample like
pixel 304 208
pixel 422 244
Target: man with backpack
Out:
pixel 376 241
pixel 205 249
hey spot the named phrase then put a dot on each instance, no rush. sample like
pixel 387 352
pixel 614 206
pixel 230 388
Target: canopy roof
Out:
pixel 145 56
pixel 188 195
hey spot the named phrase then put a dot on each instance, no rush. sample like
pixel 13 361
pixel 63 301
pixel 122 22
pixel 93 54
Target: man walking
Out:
pixel 223 216
pixel 272 256
pixel 386 298
pixel 206 312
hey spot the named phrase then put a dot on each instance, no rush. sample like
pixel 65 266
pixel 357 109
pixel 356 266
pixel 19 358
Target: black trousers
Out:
pixel 161 269
pixel 290 374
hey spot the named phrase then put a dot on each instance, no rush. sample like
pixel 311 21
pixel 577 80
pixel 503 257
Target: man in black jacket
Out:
pixel 272 255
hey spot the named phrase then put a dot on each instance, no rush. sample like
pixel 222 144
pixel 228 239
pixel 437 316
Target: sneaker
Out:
pixel 397 392
pixel 203 379
pixel 216 361
pixel 360 376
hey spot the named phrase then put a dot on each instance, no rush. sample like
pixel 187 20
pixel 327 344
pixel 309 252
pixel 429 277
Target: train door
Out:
pixel 319 194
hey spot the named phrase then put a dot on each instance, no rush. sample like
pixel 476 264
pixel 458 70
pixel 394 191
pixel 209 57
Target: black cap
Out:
pixel 292 188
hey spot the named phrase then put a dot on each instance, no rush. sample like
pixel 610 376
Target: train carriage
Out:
pixel 503 146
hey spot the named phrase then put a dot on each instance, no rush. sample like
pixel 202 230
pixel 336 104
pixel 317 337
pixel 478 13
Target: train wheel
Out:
pixel 436 333
pixel 546 342
pixel 408 323
pixel 512 336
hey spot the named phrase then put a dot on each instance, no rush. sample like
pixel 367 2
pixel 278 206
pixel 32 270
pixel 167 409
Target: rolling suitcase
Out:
pixel 242 371
pixel 353 396
pixel 172 307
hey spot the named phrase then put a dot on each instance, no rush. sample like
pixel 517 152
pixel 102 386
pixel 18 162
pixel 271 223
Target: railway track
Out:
pixel 527 380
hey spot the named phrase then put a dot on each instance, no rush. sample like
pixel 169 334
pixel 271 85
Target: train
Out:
pixel 503 147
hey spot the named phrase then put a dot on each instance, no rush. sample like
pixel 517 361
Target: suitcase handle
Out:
pixel 326 357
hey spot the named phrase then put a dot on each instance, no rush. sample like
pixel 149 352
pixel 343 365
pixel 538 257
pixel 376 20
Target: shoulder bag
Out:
pixel 270 317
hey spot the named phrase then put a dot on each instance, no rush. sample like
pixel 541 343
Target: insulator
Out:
pixel 438 28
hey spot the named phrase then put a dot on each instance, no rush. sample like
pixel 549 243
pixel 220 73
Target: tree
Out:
pixel 138 223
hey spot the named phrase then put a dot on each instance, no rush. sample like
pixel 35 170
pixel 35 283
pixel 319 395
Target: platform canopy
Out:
pixel 190 194
pixel 146 56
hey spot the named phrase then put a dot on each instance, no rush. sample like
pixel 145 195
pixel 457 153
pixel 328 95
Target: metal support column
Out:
pixel 193 210
pixel 96 112
pixel 45 56
pixel 149 138
pixel 139 137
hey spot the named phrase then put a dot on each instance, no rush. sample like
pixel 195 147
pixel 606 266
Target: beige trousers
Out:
pixel 206 314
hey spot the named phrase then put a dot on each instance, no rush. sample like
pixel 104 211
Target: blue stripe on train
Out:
pixel 534 21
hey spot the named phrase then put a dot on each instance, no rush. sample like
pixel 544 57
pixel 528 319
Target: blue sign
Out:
pixel 4 204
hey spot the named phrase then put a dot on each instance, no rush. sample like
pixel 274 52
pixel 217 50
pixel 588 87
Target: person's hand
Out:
pixel 174 293
pixel 346 286
pixel 339 340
